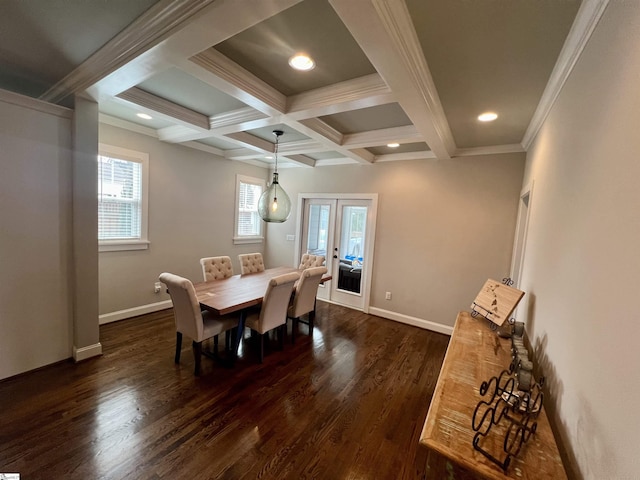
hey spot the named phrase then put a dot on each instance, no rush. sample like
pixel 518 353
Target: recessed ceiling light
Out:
pixel 268 157
pixel 144 115
pixel 302 61
pixel 393 145
pixel 487 117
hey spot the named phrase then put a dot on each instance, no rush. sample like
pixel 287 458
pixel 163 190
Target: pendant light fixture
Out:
pixel 274 204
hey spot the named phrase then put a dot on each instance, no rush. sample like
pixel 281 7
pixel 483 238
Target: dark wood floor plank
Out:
pixel 347 402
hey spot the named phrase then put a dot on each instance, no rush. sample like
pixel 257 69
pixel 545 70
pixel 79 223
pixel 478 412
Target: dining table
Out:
pixel 239 293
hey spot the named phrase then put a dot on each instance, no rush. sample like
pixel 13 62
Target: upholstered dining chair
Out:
pixel 273 311
pixel 309 261
pixel 215 268
pixel 190 321
pixel 251 263
pixel 304 298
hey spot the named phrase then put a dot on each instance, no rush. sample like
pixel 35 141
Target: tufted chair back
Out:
pixel 186 307
pixel 251 263
pixel 304 299
pixel 309 261
pixel 216 268
pixel 273 311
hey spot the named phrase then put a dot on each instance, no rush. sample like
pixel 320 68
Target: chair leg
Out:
pixel 197 355
pixel 294 326
pixel 227 340
pixel 262 347
pixel 312 317
pixel 282 330
pixel 178 346
pixel 215 345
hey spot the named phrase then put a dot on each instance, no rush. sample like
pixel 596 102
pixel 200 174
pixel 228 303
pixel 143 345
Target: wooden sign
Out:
pixel 496 301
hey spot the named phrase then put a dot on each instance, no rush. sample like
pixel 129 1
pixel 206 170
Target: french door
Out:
pixel 342 229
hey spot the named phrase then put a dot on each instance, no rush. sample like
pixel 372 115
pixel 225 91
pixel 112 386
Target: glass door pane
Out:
pixel 318 229
pixel 351 250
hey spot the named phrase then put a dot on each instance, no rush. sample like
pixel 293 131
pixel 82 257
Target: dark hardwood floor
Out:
pixel 348 403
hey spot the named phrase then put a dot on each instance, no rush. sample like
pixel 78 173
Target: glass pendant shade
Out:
pixel 274 204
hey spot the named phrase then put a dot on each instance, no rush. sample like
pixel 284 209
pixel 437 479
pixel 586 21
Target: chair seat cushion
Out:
pixel 216 324
pixel 252 320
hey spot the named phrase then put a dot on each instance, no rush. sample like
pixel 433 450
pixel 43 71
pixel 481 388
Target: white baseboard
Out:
pixel 416 322
pixel 83 353
pixel 133 312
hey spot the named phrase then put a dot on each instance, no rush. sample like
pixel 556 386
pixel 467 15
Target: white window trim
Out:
pixel 142 158
pixel 243 240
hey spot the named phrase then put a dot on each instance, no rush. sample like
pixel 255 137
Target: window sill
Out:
pixel 246 240
pixel 122 245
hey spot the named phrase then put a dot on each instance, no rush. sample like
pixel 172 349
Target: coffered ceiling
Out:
pixel 214 75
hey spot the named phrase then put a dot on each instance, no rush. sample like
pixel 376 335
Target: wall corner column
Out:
pixel 86 332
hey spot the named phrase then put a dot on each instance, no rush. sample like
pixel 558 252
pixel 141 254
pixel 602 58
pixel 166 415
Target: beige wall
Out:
pixel 443 227
pixel 441 230
pixel 582 263
pixel 191 215
pixel 35 239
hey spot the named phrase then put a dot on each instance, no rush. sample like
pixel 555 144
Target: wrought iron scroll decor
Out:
pixel 510 406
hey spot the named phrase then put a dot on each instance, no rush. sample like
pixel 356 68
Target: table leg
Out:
pixel 238 339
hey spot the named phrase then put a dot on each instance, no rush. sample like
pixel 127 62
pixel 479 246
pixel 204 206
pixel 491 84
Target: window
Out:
pixel 248 225
pixel 122 199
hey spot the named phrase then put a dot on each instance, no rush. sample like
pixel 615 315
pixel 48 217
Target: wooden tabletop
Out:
pixel 238 292
pixel 475 354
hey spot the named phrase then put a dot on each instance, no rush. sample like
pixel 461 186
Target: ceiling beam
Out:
pixel 222 73
pixel 324 133
pixel 385 32
pixel 374 138
pixel 229 77
pixel 367 91
pixel 166 108
pixel 395 157
pixel 165 34
pixel 141 35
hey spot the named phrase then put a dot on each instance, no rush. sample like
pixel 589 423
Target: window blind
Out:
pixel 248 218
pixel 119 199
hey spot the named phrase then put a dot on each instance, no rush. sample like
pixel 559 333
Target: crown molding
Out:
pixel 164 107
pixel 35 104
pixel 587 18
pixel 363 92
pixel 490 150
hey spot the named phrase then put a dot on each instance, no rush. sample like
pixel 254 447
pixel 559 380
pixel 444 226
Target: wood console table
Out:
pixel 475 354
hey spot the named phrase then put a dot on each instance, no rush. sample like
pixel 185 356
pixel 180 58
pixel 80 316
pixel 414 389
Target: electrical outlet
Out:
pixel 291 238
pixel 387 296
pixel 157 287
